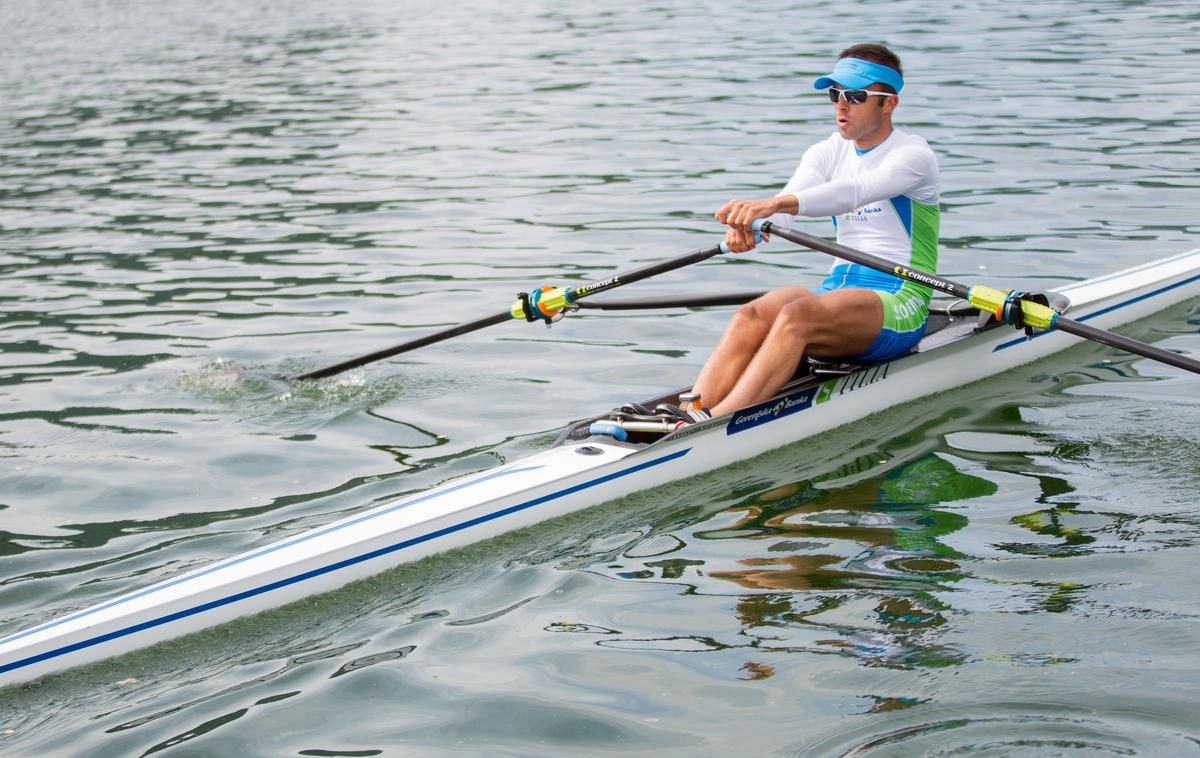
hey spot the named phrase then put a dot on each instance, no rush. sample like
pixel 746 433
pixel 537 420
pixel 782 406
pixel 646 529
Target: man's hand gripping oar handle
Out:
pixel 1029 314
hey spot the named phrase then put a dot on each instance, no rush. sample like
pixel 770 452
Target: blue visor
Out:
pixel 855 73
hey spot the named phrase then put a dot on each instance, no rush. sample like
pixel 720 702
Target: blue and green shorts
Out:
pixel 905 308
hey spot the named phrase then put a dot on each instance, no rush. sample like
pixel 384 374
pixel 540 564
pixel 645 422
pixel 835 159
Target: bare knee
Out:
pixel 764 311
pixel 799 318
pixel 753 314
pixel 841 323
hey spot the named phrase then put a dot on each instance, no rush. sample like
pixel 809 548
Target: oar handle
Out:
pixel 984 298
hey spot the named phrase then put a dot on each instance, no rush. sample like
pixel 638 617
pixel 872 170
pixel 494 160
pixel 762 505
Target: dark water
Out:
pixel 190 191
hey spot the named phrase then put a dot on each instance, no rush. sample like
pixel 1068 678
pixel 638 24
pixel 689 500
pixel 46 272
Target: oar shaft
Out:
pixel 571 295
pixel 1070 326
pixel 554 299
pixel 428 339
pixel 1136 347
pixel 823 245
pixel 645 272
pixel 681 301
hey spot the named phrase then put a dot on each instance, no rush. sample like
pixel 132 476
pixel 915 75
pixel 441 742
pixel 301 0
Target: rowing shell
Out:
pixel 581 469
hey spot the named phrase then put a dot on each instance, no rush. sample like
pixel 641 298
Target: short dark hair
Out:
pixel 875 54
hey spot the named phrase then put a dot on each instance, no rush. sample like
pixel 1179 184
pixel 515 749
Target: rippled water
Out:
pixel 187 192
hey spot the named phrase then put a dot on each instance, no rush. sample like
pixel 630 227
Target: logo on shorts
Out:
pixel 906 309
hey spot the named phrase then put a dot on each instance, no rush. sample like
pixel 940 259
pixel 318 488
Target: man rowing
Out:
pixel 882 188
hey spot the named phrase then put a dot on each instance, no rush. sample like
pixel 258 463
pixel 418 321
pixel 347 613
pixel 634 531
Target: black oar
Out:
pixel 985 298
pixel 682 301
pixel 539 304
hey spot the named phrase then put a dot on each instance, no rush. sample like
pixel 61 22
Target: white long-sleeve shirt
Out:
pixel 884 201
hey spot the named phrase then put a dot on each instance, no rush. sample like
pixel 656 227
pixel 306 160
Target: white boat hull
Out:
pixel 574 474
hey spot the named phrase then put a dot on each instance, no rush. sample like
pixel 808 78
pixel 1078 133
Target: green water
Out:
pixel 190 191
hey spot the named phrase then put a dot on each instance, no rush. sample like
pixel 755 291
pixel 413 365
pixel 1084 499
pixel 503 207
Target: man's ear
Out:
pixel 890 103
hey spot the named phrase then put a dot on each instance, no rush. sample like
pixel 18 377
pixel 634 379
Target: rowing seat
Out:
pixel 813 366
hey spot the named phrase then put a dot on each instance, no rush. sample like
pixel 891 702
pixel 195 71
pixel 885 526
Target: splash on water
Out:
pixel 260 390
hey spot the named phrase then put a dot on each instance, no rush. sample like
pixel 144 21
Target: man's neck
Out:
pixel 875 139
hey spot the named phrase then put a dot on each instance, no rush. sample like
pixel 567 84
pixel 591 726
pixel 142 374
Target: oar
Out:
pixel 985 299
pixel 683 301
pixel 539 304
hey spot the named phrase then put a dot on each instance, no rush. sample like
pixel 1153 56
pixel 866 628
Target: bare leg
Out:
pixel 741 340
pixel 838 323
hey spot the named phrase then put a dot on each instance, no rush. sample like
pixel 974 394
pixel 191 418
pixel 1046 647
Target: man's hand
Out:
pixel 739 213
pixel 738 241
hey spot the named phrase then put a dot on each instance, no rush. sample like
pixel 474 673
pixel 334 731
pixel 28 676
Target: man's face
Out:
pixel 867 122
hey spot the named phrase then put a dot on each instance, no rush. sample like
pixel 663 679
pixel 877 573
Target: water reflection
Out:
pixel 858 569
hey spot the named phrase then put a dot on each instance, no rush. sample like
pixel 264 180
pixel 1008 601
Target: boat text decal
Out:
pixel 763 413
pixel 757 415
pixel 863 378
pixel 825 392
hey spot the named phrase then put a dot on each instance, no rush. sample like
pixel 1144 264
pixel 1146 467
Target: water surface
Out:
pixel 187 192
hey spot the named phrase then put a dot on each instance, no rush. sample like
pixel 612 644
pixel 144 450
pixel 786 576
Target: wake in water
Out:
pixel 265 392
pixel 224 381
pixel 263 395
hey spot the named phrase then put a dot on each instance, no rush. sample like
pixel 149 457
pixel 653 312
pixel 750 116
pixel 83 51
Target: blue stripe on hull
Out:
pixel 219 566
pixel 338 565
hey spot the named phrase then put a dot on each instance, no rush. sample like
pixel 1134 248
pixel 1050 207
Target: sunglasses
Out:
pixel 854 96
